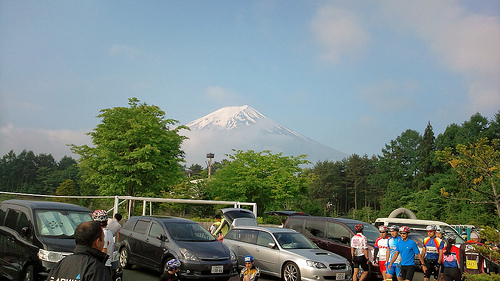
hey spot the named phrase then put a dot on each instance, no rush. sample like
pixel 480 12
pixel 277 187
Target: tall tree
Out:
pixel 271 180
pixel 135 152
pixel 478 166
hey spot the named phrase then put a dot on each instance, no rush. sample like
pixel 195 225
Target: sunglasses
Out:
pixel 248 262
pixel 403 233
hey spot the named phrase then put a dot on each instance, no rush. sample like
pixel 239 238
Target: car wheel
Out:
pixel 291 272
pixel 28 274
pixel 124 259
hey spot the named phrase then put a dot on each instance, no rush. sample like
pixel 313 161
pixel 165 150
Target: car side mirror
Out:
pixel 272 245
pixel 162 237
pixel 25 231
pixel 345 239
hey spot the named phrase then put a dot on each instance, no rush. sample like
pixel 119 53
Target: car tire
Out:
pixel 124 258
pixel 291 272
pixel 28 274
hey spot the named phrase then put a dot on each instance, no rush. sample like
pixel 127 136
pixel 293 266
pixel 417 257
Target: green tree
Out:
pixel 135 151
pixel 272 181
pixel 478 167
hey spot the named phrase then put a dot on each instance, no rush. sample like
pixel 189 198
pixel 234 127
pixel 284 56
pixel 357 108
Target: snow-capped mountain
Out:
pixel 244 128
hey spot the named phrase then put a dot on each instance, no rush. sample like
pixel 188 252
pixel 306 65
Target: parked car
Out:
pixel 35 235
pixel 334 235
pixel 286 253
pixel 152 241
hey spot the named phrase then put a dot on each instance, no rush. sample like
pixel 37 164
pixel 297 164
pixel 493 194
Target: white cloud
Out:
pixel 220 94
pixel 390 96
pixel 340 33
pixel 124 50
pixel 41 141
pixel 467 44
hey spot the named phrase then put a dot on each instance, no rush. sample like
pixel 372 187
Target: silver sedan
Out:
pixel 286 253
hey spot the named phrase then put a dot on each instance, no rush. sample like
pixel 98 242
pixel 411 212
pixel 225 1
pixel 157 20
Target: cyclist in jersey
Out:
pixel 407 248
pixel 359 252
pixel 432 253
pixel 451 255
pixel 392 242
pixel 440 235
pixel 379 254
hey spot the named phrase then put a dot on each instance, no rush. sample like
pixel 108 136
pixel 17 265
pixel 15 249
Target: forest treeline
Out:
pixel 407 173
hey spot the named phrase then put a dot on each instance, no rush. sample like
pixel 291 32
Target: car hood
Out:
pixel 206 250
pixel 58 244
pixel 318 255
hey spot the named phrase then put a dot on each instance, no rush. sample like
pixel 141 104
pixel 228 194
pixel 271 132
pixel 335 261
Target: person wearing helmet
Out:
pixel 380 252
pixel 359 253
pixel 392 242
pixel 101 216
pixel 250 272
pixel 432 252
pixel 451 254
pixel 173 266
pixel 440 235
pixel 407 249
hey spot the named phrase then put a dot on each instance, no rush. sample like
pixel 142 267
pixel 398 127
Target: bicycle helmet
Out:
pixel 438 230
pixel 358 227
pixel 100 216
pixel 382 228
pixel 404 229
pixel 173 264
pixel 431 227
pixel 394 228
pixel 451 238
pixel 248 258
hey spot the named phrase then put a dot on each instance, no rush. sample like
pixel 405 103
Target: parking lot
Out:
pixel 147 275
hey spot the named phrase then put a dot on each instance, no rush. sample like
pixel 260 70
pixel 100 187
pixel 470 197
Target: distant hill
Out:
pixel 244 128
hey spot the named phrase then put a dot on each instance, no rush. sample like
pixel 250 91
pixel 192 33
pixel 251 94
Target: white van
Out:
pixel 419 226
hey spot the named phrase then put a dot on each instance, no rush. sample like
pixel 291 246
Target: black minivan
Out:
pixel 35 235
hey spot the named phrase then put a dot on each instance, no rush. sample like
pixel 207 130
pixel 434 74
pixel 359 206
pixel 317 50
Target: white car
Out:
pixel 286 253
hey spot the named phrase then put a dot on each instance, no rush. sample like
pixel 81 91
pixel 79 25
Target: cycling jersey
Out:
pixel 451 260
pixel 432 247
pixel 359 243
pixel 392 242
pixel 381 244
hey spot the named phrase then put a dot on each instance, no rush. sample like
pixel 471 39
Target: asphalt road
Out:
pixel 140 274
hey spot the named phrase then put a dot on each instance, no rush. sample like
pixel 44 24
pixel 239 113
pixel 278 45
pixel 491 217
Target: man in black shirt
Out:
pixel 87 261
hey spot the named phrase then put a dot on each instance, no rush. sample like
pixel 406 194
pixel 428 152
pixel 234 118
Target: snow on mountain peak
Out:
pixel 227 118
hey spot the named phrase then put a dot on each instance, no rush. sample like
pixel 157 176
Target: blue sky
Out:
pixel 352 75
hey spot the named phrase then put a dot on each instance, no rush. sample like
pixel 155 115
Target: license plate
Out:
pixel 471 264
pixel 217 269
pixel 340 276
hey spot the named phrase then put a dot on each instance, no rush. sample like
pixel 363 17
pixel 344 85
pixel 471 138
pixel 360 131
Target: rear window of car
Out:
pixel 243 235
pixel 141 226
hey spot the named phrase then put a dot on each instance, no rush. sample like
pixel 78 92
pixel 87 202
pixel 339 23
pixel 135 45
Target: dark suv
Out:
pixel 334 235
pixel 34 235
pixel 152 241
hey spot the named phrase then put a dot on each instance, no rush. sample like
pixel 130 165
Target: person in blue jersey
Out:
pixel 391 245
pixel 407 249
pixel 432 252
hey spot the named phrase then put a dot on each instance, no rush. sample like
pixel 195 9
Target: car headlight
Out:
pixel 348 267
pixel 232 255
pixel 187 255
pixel 51 256
pixel 315 264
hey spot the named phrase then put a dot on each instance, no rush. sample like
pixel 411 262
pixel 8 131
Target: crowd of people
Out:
pixel 395 255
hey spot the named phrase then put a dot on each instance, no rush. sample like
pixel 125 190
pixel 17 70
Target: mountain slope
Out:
pixel 244 128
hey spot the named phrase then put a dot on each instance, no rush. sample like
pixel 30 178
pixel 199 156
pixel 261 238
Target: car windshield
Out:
pixel 370 231
pixel 289 240
pixel 193 232
pixel 59 223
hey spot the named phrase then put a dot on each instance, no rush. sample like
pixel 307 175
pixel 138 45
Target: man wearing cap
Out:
pixel 432 252
pixel 471 261
pixel 380 252
pixel 249 272
pixel 359 253
pixel 407 248
pixel 392 242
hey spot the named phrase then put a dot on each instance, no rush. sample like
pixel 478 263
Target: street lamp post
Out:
pixel 210 156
